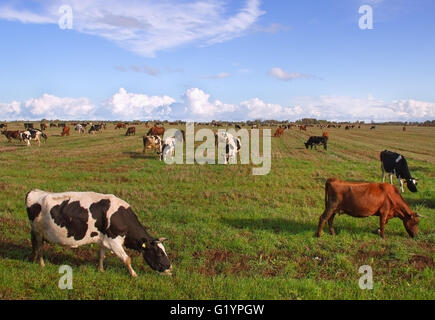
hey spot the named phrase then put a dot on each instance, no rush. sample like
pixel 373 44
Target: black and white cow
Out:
pixel 315 141
pixel 73 219
pixel 33 134
pixel 394 163
pixel 95 128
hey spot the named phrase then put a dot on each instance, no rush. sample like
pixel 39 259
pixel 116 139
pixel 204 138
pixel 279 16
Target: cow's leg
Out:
pixel 383 173
pixel 331 225
pixel 101 256
pixel 391 178
pixel 382 222
pixel 401 185
pixel 118 250
pixel 37 241
pixel 327 214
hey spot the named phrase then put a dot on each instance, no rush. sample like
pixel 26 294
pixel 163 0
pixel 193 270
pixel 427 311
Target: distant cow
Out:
pixel 53 125
pixel 65 131
pixel 315 141
pixel 3 125
pixel 43 126
pixel 131 131
pixel 404 129
pixel 152 143
pixel 73 219
pixel 12 135
pixel 302 128
pixel 120 126
pixel 33 134
pixel 363 200
pixel 156 131
pixel 394 163
pixel 78 127
pixel 279 132
pixel 95 128
pixel 232 146
pixel 372 127
pixel 28 125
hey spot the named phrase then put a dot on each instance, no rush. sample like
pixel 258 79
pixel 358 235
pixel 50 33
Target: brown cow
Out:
pixel 12 135
pixel 304 128
pixel 404 129
pixel 120 126
pixel 65 131
pixel 279 132
pixel 131 131
pixel 361 200
pixel 325 134
pixel 156 131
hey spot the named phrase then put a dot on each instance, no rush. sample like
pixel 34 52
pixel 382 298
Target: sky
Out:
pixel 209 60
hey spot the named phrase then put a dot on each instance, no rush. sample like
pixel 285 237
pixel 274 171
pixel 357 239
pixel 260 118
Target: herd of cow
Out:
pixel 74 219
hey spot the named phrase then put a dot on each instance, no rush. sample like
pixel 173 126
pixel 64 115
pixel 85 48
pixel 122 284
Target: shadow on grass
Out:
pixel 275 225
pixel 295 227
pixel 74 257
pixel 427 203
pixel 140 155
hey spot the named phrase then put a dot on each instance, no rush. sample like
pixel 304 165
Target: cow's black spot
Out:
pixel 99 213
pixel 33 211
pixel 72 217
pixel 94 234
pixel 125 223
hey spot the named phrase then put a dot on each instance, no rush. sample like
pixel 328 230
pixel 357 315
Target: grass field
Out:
pixel 231 235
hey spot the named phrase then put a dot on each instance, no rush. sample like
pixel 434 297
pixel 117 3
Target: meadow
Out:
pixel 231 235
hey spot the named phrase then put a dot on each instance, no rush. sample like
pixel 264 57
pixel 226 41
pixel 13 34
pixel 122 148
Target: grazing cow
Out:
pixel 404 129
pixel 302 128
pixel 152 142
pixel 43 126
pixel 238 127
pixel 120 126
pixel 95 128
pixel 168 146
pixel 156 131
pixel 131 131
pixel 65 130
pixel 33 134
pixel 3 125
pixel 347 128
pixel 79 128
pixel 73 219
pixel 279 132
pixel 12 135
pixel 372 127
pixel 61 125
pixel 315 141
pixel 232 145
pixel 53 125
pixel 394 163
pixel 363 200
pixel 28 125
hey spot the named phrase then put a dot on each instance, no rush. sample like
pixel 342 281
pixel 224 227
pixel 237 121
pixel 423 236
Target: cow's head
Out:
pixel 154 254
pixel 306 145
pixel 411 225
pixel 412 184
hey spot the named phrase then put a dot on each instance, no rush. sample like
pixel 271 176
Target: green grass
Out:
pixel 231 235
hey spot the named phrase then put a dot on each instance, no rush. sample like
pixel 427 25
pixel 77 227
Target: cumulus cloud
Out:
pixel 280 74
pixel 128 106
pixel 9 111
pixel 52 107
pixel 146 27
pixel 198 105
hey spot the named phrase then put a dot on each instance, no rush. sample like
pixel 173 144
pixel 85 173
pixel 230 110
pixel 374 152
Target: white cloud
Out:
pixel 129 106
pixel 199 106
pixel 9 111
pixel 52 107
pixel 280 74
pixel 146 27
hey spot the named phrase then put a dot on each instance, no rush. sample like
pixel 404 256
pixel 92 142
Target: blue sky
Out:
pixel 214 59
